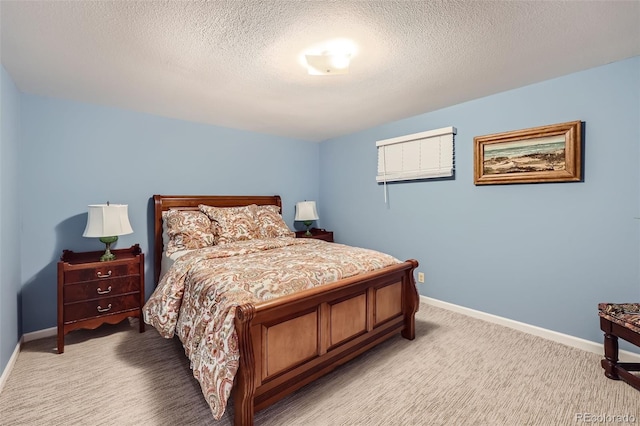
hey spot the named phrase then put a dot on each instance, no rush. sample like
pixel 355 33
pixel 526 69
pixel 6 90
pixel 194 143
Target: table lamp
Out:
pixel 106 222
pixel 306 213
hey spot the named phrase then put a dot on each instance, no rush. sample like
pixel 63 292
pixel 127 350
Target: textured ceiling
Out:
pixel 236 63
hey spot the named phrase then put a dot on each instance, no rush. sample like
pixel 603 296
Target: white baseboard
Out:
pixel 9 367
pixel 40 334
pixel 565 339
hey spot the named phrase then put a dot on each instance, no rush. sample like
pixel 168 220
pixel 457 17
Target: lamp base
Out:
pixel 307 223
pixel 108 256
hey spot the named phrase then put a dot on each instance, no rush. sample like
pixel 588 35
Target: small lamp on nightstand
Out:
pixel 107 221
pixel 306 213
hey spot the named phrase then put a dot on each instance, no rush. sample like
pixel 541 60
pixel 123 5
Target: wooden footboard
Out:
pixel 291 341
pixel 288 342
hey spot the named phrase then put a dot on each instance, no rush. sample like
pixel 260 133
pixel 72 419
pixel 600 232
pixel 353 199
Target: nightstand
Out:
pixel 91 292
pixel 319 234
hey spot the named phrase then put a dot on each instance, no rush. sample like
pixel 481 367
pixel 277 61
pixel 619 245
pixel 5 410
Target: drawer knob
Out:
pixel 100 291
pixel 108 308
pixel 107 275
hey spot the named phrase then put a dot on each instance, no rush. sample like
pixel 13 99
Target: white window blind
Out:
pixel 418 156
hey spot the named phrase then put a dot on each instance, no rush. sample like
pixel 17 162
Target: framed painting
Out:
pixel 539 154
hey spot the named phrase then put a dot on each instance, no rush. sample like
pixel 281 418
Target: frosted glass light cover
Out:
pixel 328 64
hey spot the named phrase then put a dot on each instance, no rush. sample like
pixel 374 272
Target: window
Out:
pixel 418 156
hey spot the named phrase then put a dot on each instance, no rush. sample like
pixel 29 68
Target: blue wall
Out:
pixel 10 327
pixel 543 254
pixel 75 154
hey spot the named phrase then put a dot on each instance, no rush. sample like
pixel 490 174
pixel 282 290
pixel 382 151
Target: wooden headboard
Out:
pixel 191 202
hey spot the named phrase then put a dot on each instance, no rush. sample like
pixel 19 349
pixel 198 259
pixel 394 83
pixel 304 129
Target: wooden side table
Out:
pixel 91 292
pixel 319 234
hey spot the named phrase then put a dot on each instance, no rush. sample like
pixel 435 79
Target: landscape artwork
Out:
pixel 534 155
pixel 539 154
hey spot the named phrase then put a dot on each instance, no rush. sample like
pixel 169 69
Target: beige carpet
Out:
pixel 458 371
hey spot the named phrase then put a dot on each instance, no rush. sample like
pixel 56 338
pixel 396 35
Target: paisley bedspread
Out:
pixel 196 298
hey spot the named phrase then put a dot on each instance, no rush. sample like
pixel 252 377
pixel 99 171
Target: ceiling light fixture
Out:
pixel 329 57
pixel 328 63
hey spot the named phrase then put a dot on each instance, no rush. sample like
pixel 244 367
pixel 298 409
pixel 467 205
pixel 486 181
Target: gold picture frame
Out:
pixel 540 154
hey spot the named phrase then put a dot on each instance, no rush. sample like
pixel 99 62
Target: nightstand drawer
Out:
pixel 101 288
pixel 327 236
pixel 318 234
pixel 100 273
pixel 101 307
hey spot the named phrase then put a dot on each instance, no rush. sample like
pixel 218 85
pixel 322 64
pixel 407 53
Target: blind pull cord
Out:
pixel 384 173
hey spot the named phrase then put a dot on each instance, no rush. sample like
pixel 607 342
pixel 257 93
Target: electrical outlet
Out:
pixel 420 277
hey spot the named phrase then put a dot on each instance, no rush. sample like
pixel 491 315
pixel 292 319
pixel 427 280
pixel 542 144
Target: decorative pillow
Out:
pixel 270 223
pixel 231 224
pixel 187 230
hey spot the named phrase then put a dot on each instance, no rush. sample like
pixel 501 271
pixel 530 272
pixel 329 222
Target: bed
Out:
pixel 282 343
